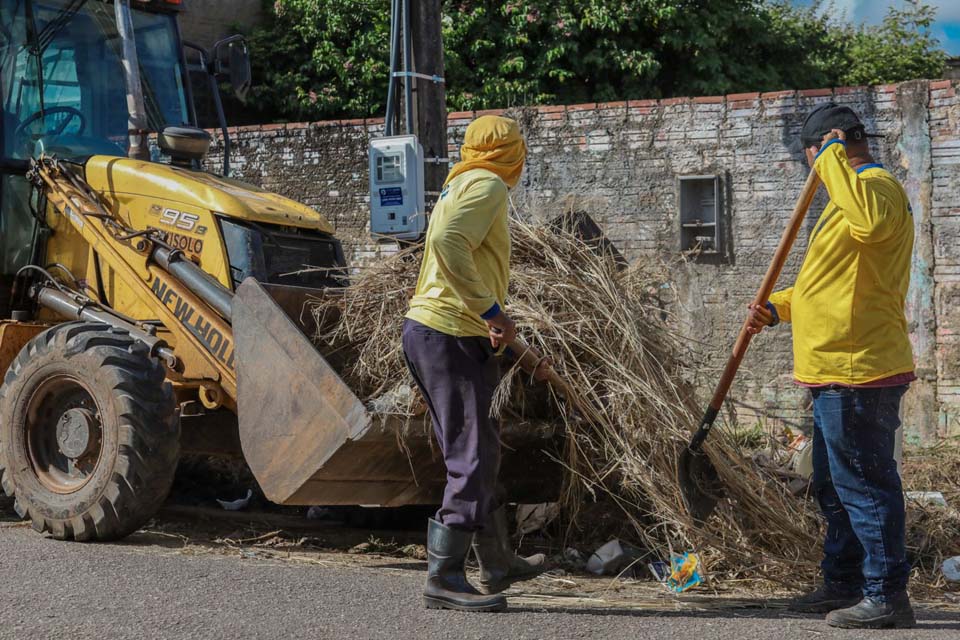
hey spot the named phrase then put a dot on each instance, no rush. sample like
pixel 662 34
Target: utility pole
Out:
pixel 430 98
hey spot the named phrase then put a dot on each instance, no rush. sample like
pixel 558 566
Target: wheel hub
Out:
pixel 64 433
pixel 77 433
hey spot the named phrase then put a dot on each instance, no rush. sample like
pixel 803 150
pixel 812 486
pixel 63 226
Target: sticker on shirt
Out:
pixel 391 197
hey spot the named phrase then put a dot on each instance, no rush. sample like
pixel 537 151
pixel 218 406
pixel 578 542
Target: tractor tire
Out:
pixel 89 433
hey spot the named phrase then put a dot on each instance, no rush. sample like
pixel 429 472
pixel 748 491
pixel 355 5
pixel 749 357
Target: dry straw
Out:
pixel 634 407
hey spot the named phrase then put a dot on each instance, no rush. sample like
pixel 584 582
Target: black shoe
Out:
pixel 824 600
pixel 895 613
pixel 447 586
pixel 500 567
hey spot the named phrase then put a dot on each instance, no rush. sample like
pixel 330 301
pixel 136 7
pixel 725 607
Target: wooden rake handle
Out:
pixel 762 297
pixel 529 359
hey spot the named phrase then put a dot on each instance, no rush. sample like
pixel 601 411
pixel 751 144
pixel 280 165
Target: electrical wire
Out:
pixel 77 294
pixel 64 269
pixel 392 81
pixel 46 274
pixel 408 81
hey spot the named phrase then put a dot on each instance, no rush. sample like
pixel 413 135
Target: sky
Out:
pixel 947 27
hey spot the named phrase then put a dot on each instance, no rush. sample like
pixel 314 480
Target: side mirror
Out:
pixel 231 62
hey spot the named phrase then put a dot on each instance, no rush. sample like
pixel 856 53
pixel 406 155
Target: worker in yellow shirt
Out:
pixel 452 333
pixel 852 349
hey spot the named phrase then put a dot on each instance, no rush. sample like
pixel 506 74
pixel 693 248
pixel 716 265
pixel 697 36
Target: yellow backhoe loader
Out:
pixel 149 308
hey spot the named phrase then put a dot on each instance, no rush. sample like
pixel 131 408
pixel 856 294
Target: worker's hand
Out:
pixel 759 317
pixel 833 134
pixel 502 330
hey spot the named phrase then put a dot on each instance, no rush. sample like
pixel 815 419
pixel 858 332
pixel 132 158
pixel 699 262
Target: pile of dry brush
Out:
pixel 611 339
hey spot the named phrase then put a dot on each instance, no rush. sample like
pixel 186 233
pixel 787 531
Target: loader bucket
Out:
pixel 293 409
pixel 310 441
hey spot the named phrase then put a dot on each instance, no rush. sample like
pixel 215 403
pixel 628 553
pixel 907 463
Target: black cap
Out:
pixel 827 117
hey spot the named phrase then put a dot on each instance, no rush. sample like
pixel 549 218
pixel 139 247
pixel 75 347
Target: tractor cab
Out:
pixel 63 68
pixel 62 93
pixel 65 88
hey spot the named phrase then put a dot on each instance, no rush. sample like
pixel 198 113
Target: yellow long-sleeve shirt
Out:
pixel 466 262
pixel 847 304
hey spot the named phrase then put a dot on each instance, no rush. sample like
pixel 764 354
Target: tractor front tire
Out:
pixel 89 434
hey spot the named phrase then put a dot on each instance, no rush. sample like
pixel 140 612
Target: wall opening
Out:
pixel 701 216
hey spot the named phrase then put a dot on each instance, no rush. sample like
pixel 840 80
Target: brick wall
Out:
pixel 944 123
pixel 621 162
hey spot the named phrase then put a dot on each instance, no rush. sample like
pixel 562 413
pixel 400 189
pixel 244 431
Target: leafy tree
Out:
pixel 831 52
pixel 329 58
pixel 902 48
pixel 321 58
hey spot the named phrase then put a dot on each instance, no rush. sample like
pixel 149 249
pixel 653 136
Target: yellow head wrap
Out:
pixel 493 143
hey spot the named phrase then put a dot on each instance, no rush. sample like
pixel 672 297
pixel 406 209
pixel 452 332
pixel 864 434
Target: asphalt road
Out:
pixel 142 590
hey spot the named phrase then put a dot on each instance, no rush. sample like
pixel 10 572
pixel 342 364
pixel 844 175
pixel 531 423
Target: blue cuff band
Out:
pixel 829 142
pixel 491 312
pixel 773 312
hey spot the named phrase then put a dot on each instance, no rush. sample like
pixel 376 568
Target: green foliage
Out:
pixel 902 48
pixel 329 58
pixel 321 58
pixel 829 52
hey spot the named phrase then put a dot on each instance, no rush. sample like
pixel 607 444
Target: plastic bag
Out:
pixel 685 572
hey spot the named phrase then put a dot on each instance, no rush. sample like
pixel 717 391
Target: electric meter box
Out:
pixel 396 188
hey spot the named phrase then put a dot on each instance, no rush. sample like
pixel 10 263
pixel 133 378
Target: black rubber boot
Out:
pixel 895 613
pixel 500 567
pixel 824 600
pixel 447 586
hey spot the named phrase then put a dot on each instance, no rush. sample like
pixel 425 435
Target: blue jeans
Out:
pixel 855 480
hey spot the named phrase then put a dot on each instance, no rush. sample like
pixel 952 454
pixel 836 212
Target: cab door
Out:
pixel 18 73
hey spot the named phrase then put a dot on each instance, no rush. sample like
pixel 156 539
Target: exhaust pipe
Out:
pixel 137 125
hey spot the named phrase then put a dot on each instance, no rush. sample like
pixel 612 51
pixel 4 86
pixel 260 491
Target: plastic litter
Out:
pixel 402 399
pixel 660 570
pixel 935 498
pixel 801 462
pixel 608 559
pixel 237 505
pixel 685 573
pixel 951 569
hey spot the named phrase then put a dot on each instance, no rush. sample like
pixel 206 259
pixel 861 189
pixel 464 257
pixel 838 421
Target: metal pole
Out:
pixel 137 119
pixel 222 119
pixel 408 67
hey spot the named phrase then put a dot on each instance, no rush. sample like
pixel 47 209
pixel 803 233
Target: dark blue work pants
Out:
pixel 458 378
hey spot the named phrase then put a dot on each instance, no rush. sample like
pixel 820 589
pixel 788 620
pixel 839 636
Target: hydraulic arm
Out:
pixel 189 304
pixel 294 412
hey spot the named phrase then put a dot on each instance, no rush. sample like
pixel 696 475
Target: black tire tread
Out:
pixel 148 431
